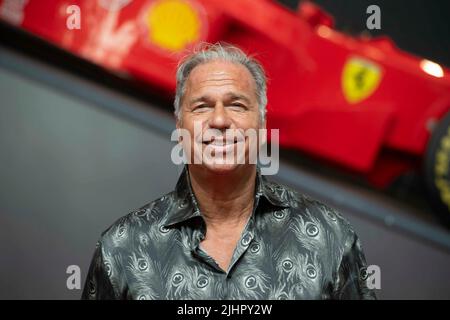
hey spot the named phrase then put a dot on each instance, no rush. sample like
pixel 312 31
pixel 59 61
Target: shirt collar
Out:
pixel 186 205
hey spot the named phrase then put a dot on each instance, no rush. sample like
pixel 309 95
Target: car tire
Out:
pixel 437 170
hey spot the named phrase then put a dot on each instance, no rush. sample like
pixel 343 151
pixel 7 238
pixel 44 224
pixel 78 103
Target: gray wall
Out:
pixel 69 169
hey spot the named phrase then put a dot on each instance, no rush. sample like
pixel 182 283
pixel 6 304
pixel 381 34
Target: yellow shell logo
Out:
pixel 360 79
pixel 173 24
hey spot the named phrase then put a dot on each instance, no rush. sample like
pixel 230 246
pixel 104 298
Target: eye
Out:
pixel 202 282
pixel 121 230
pixel 255 248
pixel 312 230
pixel 108 269
pixel 278 214
pixel 200 108
pixel 250 282
pixel 163 229
pixel 141 212
pixel 238 106
pixel 177 278
pixel 311 272
pixel 363 273
pixel 142 264
pixel 246 239
pixel 287 265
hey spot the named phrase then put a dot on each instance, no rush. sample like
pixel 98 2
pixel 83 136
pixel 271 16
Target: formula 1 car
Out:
pixel 358 102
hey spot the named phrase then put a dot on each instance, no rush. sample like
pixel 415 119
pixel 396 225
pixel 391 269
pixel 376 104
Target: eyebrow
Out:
pixel 229 95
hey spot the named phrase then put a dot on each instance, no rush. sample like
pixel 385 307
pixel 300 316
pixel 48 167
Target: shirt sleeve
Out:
pixel 98 283
pixel 351 281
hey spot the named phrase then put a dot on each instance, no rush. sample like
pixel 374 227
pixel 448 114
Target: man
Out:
pixel 226 232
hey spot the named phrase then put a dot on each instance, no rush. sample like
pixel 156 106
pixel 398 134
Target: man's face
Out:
pixel 221 96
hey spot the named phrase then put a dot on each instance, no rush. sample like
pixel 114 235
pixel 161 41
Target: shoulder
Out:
pixel 138 223
pixel 315 216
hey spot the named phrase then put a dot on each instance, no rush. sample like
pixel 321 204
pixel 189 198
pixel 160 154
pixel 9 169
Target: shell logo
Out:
pixel 173 24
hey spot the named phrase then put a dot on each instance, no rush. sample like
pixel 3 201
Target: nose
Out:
pixel 219 118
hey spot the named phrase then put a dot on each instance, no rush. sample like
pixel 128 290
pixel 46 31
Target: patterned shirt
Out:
pixel 292 247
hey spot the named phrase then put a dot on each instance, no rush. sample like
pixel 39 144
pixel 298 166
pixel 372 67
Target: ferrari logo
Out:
pixel 360 78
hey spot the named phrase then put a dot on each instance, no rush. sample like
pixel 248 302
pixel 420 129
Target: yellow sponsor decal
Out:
pixel 173 24
pixel 360 79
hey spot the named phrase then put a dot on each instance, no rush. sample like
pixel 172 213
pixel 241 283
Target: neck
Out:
pixel 224 198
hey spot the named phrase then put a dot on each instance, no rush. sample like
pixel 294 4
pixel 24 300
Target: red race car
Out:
pixel 358 102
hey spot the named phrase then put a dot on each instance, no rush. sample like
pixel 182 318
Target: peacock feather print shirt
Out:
pixel 292 247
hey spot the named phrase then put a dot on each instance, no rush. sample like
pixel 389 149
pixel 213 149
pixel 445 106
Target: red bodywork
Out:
pixel 303 55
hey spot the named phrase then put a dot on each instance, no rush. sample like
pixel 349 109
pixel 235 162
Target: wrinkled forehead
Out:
pixel 218 75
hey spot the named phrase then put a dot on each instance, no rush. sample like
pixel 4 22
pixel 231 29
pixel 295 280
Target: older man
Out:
pixel 226 232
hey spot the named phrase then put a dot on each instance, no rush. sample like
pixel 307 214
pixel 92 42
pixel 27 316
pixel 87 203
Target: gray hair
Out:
pixel 209 52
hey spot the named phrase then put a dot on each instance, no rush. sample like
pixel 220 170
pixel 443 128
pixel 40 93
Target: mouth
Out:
pixel 222 145
pixel 221 142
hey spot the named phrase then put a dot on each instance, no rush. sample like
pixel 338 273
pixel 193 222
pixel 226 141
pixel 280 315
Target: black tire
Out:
pixel 437 170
